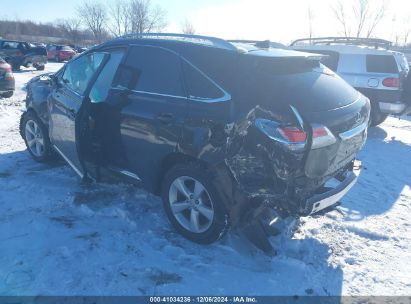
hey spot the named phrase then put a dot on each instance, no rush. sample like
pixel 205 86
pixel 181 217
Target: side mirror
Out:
pixel 55 81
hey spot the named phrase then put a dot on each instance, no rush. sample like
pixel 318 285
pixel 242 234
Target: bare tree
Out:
pixel 361 11
pixel 70 28
pixel 94 16
pixel 361 14
pixel 341 15
pixel 407 29
pixel 311 16
pixel 146 18
pixel 376 18
pixel 120 18
pixel 187 27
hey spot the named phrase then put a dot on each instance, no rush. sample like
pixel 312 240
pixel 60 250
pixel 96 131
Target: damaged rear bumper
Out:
pixel 332 196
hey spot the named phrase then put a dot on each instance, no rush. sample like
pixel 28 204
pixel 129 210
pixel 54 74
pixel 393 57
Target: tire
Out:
pixel 207 208
pixel 7 94
pixel 36 137
pixel 376 117
pixel 40 67
pixel 15 67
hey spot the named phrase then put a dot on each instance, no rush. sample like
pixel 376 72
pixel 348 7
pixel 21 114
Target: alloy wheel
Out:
pixel 34 137
pixel 191 204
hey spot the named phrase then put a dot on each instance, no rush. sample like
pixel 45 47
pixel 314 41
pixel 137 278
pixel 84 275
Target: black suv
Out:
pixel 224 132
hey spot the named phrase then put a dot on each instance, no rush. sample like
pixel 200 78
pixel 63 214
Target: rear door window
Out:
pixel 381 64
pixel 156 70
pixel 199 85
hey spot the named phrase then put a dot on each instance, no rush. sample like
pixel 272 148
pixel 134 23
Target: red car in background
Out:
pixel 60 52
pixel 6 79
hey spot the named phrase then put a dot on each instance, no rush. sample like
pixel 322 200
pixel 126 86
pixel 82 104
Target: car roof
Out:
pixel 177 41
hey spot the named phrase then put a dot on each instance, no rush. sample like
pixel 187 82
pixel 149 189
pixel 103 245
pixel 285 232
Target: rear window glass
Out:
pixel 403 63
pixel 157 70
pixel 199 85
pixel 381 64
pixel 10 45
pixel 66 48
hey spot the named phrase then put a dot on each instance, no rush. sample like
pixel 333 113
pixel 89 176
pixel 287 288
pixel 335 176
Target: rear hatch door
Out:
pixel 320 96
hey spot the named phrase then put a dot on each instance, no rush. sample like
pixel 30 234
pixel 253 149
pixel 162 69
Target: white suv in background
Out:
pixel 369 66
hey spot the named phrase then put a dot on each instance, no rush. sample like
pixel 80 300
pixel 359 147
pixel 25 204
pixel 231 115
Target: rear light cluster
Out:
pixel 295 138
pixel 8 72
pixel 391 82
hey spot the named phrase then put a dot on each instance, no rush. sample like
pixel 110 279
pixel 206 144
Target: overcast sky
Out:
pixel 276 20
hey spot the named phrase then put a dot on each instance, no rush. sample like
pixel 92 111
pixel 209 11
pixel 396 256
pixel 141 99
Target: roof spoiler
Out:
pixel 262 44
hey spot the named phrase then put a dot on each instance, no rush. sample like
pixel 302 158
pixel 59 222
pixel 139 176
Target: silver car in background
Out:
pixel 369 66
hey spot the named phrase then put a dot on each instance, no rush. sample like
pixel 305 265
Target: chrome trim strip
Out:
pixel 125 172
pixel 69 162
pixel 353 132
pixel 130 174
pixel 298 116
pixel 159 94
pixel 331 200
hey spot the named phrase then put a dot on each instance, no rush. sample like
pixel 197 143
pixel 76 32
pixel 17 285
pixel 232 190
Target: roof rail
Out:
pixel 374 42
pixel 196 39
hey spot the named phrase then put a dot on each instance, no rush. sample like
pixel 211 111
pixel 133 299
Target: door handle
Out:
pixel 165 118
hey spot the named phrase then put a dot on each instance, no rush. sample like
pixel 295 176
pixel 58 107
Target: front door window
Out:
pixel 78 73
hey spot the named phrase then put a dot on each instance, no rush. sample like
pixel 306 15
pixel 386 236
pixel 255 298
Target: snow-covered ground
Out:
pixel 59 237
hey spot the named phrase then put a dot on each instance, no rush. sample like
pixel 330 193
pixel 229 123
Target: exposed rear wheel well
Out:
pixel 172 160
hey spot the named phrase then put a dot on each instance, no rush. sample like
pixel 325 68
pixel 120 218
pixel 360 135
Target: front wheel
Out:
pixel 193 205
pixel 36 137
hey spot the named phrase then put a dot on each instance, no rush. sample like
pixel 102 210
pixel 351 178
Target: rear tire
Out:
pixel 40 67
pixel 15 67
pixel 36 137
pixel 376 117
pixel 7 94
pixel 192 203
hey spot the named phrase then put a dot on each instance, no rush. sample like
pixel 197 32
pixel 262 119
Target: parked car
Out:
pixel 7 84
pixel 60 53
pixel 20 53
pixel 223 135
pixel 369 66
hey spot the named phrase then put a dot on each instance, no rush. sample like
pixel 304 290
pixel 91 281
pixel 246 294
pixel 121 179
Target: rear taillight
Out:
pixel 391 82
pixel 8 75
pixel 293 134
pixel 295 138
pixel 322 137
